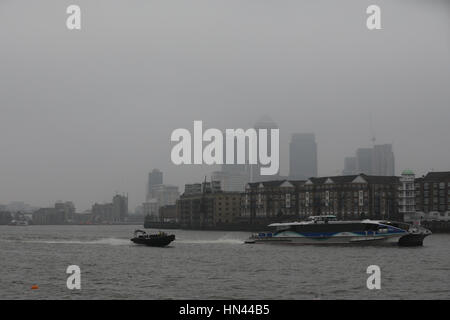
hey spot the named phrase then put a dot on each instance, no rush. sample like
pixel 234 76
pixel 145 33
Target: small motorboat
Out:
pixel 161 239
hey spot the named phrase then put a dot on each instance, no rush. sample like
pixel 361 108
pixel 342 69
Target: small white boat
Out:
pixel 18 223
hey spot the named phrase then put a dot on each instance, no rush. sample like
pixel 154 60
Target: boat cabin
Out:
pixel 322 219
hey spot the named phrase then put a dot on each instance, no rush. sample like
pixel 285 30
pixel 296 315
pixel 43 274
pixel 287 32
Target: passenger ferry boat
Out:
pixel 328 230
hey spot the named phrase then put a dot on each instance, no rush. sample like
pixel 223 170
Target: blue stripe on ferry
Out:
pixel 330 234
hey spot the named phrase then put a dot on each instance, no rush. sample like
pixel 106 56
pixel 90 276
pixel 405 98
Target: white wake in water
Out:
pixel 222 240
pixel 226 239
pixel 104 241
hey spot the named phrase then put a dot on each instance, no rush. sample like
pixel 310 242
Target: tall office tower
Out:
pixel 383 161
pixel 302 156
pixel 233 177
pixel 154 178
pixel 255 169
pixel 231 181
pixel 349 166
pixel 165 194
pixel 364 160
pixel 234 168
pixel 120 207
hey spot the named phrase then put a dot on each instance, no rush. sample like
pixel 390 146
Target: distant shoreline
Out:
pixel 438 227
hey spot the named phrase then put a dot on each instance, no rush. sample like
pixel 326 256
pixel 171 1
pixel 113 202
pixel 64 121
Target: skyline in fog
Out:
pixel 89 113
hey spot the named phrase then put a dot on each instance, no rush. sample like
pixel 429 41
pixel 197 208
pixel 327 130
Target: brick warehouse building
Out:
pixel 432 196
pixel 267 201
pixel 347 197
pixel 207 206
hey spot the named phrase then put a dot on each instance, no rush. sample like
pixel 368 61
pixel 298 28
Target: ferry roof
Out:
pixel 297 223
pixel 324 216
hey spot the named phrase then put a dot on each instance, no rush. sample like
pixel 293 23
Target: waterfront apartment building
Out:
pixel 209 208
pixel 48 216
pixel 102 212
pixel 68 208
pixel 302 156
pixel 406 196
pixel 168 213
pixel 116 211
pixel 351 197
pixel 432 196
pixel 348 197
pixel 61 213
pixel 5 217
pixel 270 200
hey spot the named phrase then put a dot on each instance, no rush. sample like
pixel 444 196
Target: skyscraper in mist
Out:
pixel 383 161
pixel 232 177
pixel 120 207
pixel 349 166
pixel 378 161
pixel 154 178
pixel 302 156
pixel 364 160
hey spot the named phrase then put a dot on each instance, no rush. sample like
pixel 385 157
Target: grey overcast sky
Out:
pixel 84 114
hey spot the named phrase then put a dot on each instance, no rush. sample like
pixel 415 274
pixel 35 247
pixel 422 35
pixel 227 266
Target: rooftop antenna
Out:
pixel 372 131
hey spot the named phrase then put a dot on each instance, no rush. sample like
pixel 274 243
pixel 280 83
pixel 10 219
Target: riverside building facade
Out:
pixel 348 197
pixel 432 196
pixel 207 207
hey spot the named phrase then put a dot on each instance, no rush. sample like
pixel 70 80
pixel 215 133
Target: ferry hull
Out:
pixel 322 231
pixel 352 240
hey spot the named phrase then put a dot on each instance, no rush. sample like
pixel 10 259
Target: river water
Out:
pixel 211 265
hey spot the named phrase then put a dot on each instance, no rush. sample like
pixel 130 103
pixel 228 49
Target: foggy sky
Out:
pixel 85 114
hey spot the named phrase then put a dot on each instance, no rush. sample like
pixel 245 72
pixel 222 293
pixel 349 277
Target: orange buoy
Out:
pixel 34 287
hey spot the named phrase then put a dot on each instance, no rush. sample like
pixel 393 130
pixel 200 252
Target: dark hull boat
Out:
pixel 153 240
pixel 412 240
pixel 416 234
